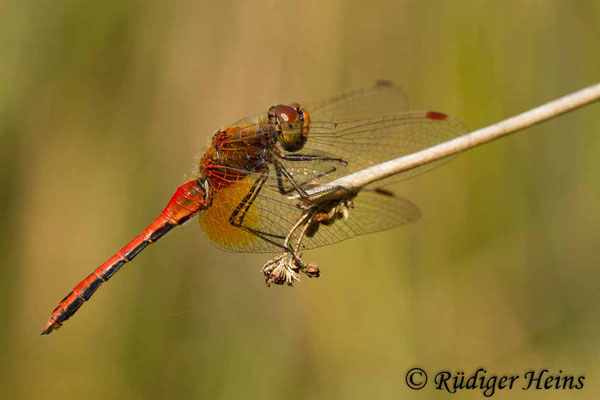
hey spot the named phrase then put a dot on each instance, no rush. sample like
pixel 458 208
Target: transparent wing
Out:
pixel 335 149
pixel 382 98
pixel 363 143
pixel 273 216
pixel 347 133
pixel 372 212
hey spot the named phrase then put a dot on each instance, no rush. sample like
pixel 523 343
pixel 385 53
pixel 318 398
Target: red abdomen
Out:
pixel 187 201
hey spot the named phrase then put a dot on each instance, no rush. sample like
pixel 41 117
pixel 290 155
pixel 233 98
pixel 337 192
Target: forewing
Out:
pixel 336 149
pixel 366 142
pixel 382 98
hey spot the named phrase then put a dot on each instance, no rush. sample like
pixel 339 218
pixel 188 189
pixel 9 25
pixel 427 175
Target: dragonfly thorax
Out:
pixel 291 125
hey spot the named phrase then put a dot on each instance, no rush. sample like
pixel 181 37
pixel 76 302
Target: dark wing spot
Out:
pixel 384 192
pixel 436 115
pixel 384 83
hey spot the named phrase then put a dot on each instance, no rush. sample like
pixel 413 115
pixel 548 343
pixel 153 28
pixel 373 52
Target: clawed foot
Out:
pixel 284 269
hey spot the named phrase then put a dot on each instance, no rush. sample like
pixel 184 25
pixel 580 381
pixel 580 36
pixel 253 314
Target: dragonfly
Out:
pixel 252 182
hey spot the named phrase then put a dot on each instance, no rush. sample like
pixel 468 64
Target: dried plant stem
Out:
pixel 359 179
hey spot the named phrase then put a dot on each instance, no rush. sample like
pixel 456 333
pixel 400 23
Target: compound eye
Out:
pixel 286 116
pixel 290 125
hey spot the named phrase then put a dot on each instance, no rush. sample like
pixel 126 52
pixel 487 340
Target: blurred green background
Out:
pixel 104 107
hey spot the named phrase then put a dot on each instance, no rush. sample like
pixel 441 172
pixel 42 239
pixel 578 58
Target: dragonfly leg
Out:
pixel 311 269
pixel 310 157
pixel 237 216
pixel 280 171
pixel 285 267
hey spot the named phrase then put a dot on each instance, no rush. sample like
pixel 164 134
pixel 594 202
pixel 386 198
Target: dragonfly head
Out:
pixel 291 125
